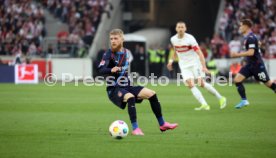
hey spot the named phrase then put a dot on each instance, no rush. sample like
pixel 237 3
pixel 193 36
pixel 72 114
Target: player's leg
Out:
pixel 130 100
pixel 271 85
pixel 261 74
pixel 122 97
pixel 197 94
pixel 239 78
pixel 149 94
pixel 188 78
pixel 212 90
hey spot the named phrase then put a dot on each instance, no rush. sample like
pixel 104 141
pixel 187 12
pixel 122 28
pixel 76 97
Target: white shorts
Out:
pixel 192 72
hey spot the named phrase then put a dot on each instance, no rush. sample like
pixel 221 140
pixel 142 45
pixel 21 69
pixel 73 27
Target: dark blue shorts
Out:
pixel 258 71
pixel 116 94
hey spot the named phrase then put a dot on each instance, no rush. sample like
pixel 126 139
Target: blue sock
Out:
pixel 134 125
pixel 132 112
pixel 160 120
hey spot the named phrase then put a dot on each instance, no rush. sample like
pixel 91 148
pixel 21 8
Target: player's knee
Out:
pixel 236 80
pixel 127 96
pixel 149 93
pixel 201 83
pixel 268 83
pixel 239 78
pixel 190 84
pixel 152 93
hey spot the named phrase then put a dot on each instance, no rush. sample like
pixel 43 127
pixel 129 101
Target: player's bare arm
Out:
pixel 250 52
pixel 169 65
pixel 202 60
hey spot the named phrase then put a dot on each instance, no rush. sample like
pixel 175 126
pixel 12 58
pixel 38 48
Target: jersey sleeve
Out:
pixel 103 66
pixel 251 42
pixel 194 43
pixel 171 41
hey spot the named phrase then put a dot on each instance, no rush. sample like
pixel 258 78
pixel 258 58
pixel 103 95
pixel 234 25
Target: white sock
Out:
pixel 212 90
pixel 198 95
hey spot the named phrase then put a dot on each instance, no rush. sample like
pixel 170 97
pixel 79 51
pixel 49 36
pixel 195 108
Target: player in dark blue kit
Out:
pixel 114 65
pixel 254 62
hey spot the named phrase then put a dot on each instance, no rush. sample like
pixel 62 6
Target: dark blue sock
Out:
pixel 132 112
pixel 160 121
pixel 156 108
pixel 241 90
pixel 134 125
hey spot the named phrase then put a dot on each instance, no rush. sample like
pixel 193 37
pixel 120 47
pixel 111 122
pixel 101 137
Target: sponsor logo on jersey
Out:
pixel 183 48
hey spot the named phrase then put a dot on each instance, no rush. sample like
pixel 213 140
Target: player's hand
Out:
pixel 234 54
pixel 169 66
pixel 115 69
pixel 204 69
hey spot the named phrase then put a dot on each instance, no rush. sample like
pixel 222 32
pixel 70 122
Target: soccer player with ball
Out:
pixel 192 65
pixel 114 65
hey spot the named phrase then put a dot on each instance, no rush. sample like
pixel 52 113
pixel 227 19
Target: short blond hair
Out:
pixel 181 22
pixel 116 32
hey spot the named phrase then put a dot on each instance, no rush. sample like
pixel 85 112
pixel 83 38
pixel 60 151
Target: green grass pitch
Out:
pixel 37 121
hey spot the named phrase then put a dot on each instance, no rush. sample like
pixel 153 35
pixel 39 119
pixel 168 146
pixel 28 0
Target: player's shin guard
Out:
pixel 156 108
pixel 132 112
pixel 273 87
pixel 241 90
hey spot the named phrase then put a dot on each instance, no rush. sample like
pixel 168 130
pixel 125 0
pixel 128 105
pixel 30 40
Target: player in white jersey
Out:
pixel 192 65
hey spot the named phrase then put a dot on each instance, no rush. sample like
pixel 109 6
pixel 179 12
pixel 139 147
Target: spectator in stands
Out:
pixel 50 51
pixel 272 49
pixel 204 49
pixel 63 46
pixel 235 44
pixel 32 49
pixel 139 60
pixel 216 43
pixel 153 60
pixel 175 70
pixel 235 68
pixel 82 17
pixel 212 66
pixel 223 24
pixel 224 50
pixel 75 43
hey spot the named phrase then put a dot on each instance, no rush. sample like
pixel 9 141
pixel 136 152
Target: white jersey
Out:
pixel 185 49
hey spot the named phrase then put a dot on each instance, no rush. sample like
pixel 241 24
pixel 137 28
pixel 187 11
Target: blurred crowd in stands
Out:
pixel 21 27
pixel 22 31
pixel 82 18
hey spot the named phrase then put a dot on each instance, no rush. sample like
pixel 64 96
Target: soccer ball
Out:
pixel 118 129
